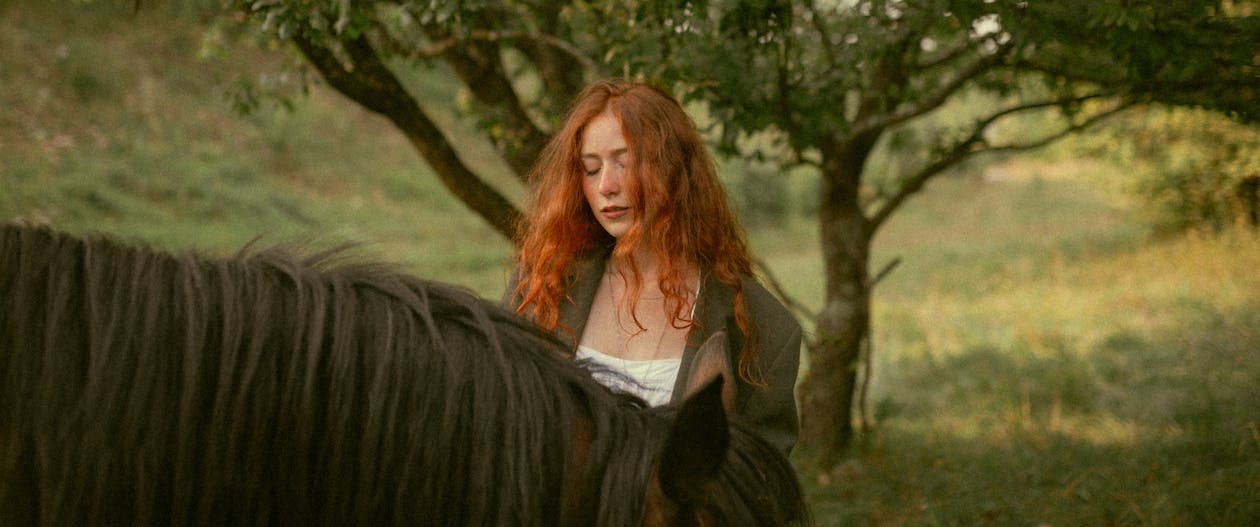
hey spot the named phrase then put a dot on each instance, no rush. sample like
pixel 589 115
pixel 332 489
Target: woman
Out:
pixel 632 256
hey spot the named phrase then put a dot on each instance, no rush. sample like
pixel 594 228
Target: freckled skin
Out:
pixel 605 157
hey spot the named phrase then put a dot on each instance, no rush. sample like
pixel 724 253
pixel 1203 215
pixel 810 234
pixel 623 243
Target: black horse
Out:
pixel 139 387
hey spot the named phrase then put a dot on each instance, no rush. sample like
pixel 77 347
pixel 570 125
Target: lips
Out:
pixel 613 212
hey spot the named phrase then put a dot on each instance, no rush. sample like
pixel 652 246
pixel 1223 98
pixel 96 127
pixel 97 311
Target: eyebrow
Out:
pixel 615 153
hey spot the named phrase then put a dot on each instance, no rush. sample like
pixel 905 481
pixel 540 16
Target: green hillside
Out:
pixel 123 121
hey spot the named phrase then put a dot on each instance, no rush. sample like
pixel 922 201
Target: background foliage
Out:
pixel 1192 169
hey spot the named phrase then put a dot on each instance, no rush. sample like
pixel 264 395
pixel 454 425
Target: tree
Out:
pixel 827 80
pixel 840 76
pixel 358 46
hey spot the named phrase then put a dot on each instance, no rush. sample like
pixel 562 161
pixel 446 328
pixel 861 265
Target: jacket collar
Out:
pixel 583 284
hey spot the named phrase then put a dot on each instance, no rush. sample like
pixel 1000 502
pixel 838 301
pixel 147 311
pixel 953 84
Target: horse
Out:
pixel 282 386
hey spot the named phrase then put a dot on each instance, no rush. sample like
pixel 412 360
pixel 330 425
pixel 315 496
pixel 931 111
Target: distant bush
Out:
pixel 762 197
pixel 1191 169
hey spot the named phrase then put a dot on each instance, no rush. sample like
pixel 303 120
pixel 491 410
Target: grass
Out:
pixel 1061 372
pixel 1040 359
pixel 118 126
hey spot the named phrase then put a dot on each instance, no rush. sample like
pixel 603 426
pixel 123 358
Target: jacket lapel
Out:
pixel 712 311
pixel 576 308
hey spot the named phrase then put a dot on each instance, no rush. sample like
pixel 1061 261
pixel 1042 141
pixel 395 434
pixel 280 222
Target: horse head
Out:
pixel 701 478
pixel 712 472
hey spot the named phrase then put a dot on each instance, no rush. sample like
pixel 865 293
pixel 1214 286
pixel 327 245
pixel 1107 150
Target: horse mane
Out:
pixel 273 388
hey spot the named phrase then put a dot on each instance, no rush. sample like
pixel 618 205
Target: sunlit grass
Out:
pixel 1065 376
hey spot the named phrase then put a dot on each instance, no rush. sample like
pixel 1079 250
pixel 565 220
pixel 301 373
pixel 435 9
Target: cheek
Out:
pixel 588 190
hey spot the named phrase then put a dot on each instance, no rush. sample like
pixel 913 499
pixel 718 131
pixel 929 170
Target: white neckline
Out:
pixel 597 355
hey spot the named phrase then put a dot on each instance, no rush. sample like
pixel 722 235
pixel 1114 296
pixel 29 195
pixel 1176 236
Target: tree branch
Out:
pixel 935 100
pixel 883 273
pixel 783 87
pixel 816 19
pixel 370 83
pixel 479 65
pixel 1029 66
pixel 776 287
pixel 947 58
pixel 561 65
pixel 1038 143
pixel 441 46
pixel 973 144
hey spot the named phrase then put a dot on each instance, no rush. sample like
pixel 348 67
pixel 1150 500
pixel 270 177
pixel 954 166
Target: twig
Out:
pixel 435 49
pixel 883 273
pixel 868 348
pixel 791 303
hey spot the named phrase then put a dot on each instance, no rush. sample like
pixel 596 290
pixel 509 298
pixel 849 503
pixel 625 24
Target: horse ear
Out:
pixel 712 361
pixel 696 446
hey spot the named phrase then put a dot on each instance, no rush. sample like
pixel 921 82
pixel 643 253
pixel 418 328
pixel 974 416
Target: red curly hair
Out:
pixel 680 208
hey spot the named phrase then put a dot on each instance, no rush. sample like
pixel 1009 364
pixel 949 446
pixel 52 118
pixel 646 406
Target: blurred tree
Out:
pixel 827 78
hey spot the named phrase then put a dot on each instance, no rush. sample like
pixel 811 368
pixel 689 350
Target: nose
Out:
pixel 610 180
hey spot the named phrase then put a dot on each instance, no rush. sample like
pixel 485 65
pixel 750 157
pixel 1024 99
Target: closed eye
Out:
pixel 591 164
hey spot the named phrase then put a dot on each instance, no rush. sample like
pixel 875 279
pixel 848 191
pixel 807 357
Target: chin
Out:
pixel 616 231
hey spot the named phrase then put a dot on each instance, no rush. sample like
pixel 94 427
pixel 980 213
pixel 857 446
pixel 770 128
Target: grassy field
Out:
pixel 110 121
pixel 1039 359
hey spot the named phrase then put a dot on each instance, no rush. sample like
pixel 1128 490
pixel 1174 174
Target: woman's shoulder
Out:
pixel 765 308
pixel 762 306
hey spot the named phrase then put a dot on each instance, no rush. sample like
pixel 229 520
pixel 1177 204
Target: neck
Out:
pixel 645 260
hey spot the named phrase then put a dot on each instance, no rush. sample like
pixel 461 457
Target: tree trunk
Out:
pixel 827 392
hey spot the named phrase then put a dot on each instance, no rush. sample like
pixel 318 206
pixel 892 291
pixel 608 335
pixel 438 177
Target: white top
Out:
pixel 652 380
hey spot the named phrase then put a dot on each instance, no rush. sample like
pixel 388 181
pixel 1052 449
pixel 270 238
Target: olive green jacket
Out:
pixel 769 410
